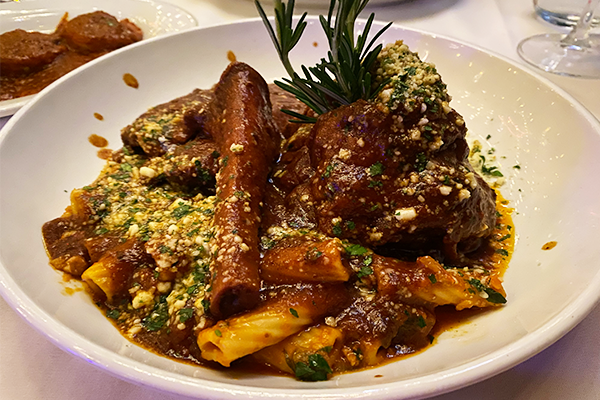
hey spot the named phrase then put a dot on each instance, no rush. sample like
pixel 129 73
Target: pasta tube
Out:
pixel 425 282
pixel 304 260
pixel 297 348
pixel 287 310
pixel 110 277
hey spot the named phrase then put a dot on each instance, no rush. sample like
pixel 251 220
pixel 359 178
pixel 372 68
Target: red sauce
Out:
pixel 131 81
pixel 98 141
pixel 231 56
pixel 105 154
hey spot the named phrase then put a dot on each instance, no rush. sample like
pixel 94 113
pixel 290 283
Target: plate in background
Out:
pixel 153 17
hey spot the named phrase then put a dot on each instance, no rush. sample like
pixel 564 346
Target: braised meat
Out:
pixel 30 61
pixel 98 32
pixel 24 52
pixel 163 127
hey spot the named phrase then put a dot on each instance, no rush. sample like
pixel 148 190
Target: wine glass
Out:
pixel 575 54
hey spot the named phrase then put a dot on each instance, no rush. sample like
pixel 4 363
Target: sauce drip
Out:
pixel 130 81
pixel 97 141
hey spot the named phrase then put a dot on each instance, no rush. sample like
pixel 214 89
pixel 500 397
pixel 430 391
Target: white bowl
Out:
pixel 44 153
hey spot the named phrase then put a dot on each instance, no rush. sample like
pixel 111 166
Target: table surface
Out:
pixel 33 368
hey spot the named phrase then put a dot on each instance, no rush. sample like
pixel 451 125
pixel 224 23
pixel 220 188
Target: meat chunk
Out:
pixel 379 182
pixel 24 52
pixel 64 239
pixel 194 166
pixel 98 32
pixel 167 125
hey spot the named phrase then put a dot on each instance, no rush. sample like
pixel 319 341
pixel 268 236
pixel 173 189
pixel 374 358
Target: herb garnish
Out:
pixel 316 369
pixel 344 76
pixel 493 296
pixel 159 315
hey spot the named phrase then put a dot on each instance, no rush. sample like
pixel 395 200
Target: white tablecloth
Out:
pixel 32 368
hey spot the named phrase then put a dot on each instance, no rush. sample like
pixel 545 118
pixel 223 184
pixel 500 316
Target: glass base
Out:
pixel 562 18
pixel 547 53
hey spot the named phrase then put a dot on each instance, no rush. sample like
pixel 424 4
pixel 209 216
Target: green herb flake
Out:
pixel 218 333
pixel 364 271
pixel 328 171
pixel 337 229
pixel 376 169
pixel 421 322
pixel 421 162
pixel 432 278
pixel 181 211
pixel 294 313
pixel 114 314
pixel 502 252
pixel 503 238
pixel 355 250
pixel 326 349
pixel 185 314
pixel 205 304
pixel 101 231
pixel 316 369
pixel 158 316
pixel 493 296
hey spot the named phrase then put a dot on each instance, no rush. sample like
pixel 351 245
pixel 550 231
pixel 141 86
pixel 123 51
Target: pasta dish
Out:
pixel 222 233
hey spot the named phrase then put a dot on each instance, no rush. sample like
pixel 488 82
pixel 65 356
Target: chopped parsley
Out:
pixel 313 254
pixel 328 171
pixel 181 211
pixel 493 296
pixel 316 369
pixel 376 169
pixel 158 317
pixel 502 252
pixel 337 229
pixel 421 162
pixel 294 313
pixel 355 250
pixel 364 271
pixel 185 314
pixel 503 238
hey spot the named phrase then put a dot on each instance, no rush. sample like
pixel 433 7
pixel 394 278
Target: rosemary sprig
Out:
pixel 341 78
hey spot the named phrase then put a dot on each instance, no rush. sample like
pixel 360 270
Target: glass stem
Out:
pixel 578 38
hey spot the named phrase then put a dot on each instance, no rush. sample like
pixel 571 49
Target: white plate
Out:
pixel 153 17
pixel 44 153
